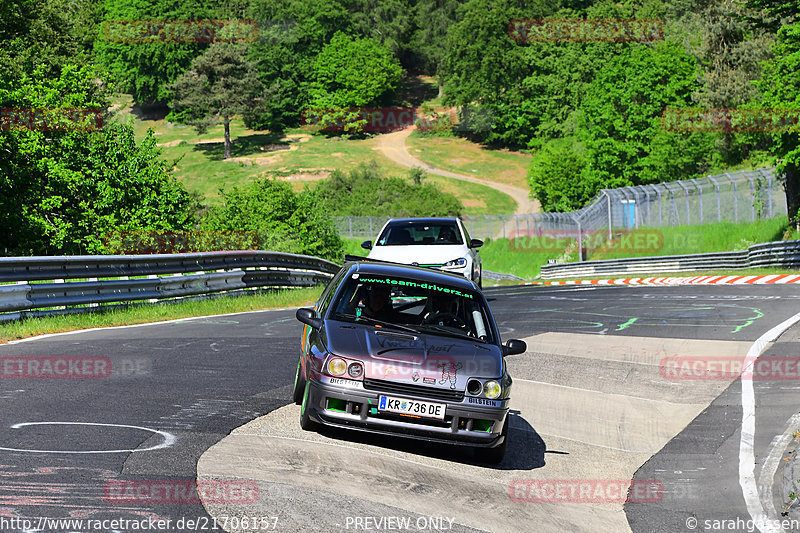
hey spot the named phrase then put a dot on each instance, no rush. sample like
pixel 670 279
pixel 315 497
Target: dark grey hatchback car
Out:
pixel 406 351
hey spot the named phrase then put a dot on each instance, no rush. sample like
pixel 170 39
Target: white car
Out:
pixel 441 243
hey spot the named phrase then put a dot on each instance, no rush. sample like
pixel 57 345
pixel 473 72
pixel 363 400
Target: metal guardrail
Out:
pixel 40 282
pixel 782 254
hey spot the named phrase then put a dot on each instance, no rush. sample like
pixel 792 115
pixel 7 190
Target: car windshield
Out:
pixel 420 233
pixel 381 301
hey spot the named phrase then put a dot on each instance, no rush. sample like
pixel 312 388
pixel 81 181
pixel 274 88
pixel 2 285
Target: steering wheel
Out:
pixel 446 319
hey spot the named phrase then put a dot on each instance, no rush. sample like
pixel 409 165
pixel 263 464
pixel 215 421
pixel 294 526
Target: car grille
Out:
pixel 430 393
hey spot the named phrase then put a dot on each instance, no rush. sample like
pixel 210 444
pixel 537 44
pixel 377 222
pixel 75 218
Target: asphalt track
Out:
pixel 209 397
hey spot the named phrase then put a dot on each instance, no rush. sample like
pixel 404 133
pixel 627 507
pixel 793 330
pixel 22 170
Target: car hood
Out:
pixel 422 254
pixel 423 359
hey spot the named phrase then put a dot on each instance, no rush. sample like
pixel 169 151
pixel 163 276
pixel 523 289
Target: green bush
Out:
pixel 282 220
pixel 366 191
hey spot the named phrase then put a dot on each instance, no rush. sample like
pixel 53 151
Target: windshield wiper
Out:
pixel 377 322
pixel 450 333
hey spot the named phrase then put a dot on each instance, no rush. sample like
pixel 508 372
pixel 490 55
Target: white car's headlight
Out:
pixel 460 262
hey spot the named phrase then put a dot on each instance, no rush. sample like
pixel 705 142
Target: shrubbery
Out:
pixel 282 220
pixel 365 191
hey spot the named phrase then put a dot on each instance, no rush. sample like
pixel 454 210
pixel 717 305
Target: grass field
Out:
pixel 296 157
pixel 154 313
pixel 460 155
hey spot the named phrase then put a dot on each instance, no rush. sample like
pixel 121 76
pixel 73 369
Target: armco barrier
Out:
pixel 782 254
pixel 49 282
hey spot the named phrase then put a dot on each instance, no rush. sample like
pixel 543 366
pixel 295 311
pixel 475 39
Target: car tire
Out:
pixel 494 455
pixel 305 419
pixel 299 386
pixel 480 278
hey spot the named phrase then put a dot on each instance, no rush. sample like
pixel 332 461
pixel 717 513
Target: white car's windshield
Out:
pixel 420 233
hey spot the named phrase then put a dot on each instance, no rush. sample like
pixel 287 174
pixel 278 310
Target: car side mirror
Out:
pixel 514 347
pixel 309 316
pixel 475 243
pixel 367 245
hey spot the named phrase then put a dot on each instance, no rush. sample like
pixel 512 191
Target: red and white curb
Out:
pixel 768 279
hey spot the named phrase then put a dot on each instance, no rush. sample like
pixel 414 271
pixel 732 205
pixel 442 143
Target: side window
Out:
pixel 325 300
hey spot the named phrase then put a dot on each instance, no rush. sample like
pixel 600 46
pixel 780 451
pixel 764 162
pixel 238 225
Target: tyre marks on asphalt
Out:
pixel 583 408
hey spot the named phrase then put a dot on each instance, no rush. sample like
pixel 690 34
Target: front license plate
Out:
pixel 411 407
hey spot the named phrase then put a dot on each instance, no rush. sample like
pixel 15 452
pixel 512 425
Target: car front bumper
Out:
pixel 354 407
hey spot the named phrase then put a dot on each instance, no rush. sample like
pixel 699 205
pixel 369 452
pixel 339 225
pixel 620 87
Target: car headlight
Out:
pixel 460 262
pixel 355 370
pixel 337 367
pixel 492 389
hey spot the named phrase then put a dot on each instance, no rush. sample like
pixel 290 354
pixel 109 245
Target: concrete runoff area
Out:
pixel 584 408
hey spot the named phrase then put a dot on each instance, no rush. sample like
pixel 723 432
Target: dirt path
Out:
pixel 393 146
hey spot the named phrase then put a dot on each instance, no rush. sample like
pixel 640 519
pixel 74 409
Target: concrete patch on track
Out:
pixel 584 408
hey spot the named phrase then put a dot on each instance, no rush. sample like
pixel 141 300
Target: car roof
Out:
pixel 409 271
pixel 426 220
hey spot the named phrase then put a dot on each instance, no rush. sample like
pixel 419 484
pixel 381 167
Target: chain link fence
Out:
pixel 744 196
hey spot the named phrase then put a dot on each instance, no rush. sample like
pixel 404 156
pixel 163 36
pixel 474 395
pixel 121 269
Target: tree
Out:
pixel 65 185
pixel 780 88
pixel 285 59
pixel 558 177
pixel 284 221
pixel 388 22
pixel 351 72
pixel 433 19
pixel 144 63
pixel 620 121
pixel 219 84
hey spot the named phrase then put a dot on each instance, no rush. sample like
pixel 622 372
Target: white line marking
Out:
pixel 773 460
pixel 169 438
pixel 747 458
pixel 173 321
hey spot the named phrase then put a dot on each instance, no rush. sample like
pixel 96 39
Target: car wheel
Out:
pixel 494 455
pixel 305 419
pixel 480 279
pixel 299 386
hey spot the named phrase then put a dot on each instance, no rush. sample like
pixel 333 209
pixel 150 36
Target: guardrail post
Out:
pixel 488 229
pixel 350 225
pixel 503 221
